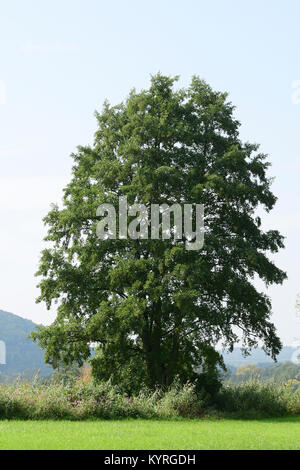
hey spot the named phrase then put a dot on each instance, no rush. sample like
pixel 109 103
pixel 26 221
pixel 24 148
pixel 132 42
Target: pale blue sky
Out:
pixel 59 60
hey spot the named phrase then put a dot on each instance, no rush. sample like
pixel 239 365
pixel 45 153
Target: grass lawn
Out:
pixel 282 433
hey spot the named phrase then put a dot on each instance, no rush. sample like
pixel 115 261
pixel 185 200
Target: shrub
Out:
pixel 181 401
pixel 257 398
pixel 85 399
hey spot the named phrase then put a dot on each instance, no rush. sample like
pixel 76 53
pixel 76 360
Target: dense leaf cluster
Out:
pixel 155 309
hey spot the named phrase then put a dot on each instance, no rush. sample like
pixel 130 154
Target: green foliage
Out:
pixel 131 372
pixel 248 371
pixel 66 374
pixel 181 401
pixel 82 400
pixel 256 399
pixel 278 373
pixel 86 400
pixel 156 310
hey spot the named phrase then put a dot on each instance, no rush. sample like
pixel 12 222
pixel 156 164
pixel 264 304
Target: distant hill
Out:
pixel 22 355
pixel 257 356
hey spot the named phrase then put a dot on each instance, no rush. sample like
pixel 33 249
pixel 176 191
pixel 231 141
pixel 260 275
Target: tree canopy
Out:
pixel 155 309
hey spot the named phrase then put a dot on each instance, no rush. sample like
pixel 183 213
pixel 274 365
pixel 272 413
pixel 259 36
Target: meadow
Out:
pixel 88 415
pixel 227 434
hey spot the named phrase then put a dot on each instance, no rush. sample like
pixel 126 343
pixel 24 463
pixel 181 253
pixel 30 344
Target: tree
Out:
pixel 155 309
pixel 248 372
pixel 66 374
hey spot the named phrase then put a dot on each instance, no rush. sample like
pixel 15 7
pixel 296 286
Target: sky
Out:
pixel 59 61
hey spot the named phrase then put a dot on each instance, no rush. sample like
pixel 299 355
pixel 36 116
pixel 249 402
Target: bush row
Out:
pixel 87 400
pixel 82 400
pixel 255 398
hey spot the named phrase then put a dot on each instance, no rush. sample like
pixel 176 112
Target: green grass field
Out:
pixel 282 433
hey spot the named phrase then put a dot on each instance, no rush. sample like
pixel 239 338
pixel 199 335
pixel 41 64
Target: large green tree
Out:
pixel 155 309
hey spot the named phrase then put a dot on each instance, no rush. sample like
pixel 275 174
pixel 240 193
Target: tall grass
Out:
pixel 84 399
pixel 255 398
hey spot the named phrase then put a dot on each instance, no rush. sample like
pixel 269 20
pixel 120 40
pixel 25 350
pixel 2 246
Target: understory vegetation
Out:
pixel 82 398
